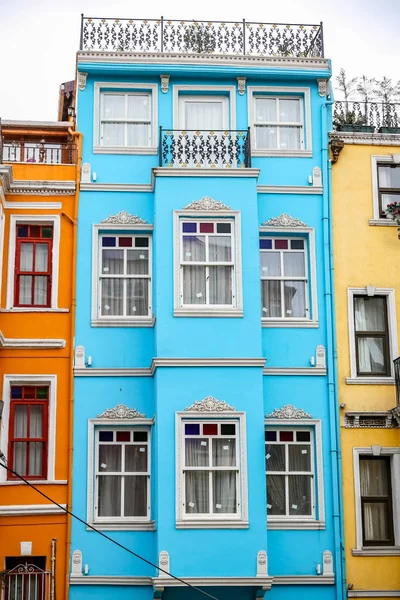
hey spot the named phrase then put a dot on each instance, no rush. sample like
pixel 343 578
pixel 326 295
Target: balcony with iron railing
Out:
pixel 241 38
pixel 366 117
pixel 37 152
pixel 224 149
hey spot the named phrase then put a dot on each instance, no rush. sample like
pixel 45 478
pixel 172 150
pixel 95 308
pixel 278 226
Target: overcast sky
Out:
pixel 39 39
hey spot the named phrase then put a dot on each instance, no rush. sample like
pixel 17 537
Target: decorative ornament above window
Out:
pixel 288 412
pixel 284 220
pixel 207 203
pixel 210 404
pixel 241 85
pixel 164 83
pixel 82 77
pixel 124 218
pixel 322 87
pixel 121 412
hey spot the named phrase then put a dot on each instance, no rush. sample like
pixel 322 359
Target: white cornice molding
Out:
pixel 152 58
pixel 31 509
pixel 258 581
pixel 288 412
pixel 366 139
pixel 36 187
pixel 168 362
pixel 182 172
pixel 304 579
pixel 382 551
pixel 289 189
pixel 295 525
pixel 138 526
pixel 117 187
pixel 30 342
pixel 109 580
pixel 120 411
pixel 373 593
pixel 210 404
pixel 294 371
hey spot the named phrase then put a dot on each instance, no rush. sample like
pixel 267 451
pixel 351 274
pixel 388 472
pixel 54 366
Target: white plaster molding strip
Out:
pixel 88 56
pixel 117 187
pixel 382 223
pixel 180 172
pixel 304 579
pixel 259 581
pixel 288 525
pixel 373 593
pixel 285 324
pixel 368 139
pixel 289 189
pixel 122 526
pixel 109 580
pixel 25 124
pixel 30 343
pixel 217 524
pixel 31 509
pixel 381 551
pixel 370 380
pixel 168 362
pixel 36 482
pixel 294 371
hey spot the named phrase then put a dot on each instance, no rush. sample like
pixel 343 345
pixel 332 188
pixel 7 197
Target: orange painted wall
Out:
pixel 41 529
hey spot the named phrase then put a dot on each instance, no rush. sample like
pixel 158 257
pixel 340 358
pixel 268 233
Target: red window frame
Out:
pixel 34 235
pixel 28 398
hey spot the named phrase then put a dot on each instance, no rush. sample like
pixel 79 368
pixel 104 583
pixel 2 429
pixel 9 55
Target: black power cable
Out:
pixel 107 537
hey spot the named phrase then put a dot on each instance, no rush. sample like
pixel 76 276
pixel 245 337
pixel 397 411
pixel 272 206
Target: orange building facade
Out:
pixel 38 208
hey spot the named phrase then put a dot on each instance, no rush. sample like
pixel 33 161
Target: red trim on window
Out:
pixel 18 273
pixel 27 400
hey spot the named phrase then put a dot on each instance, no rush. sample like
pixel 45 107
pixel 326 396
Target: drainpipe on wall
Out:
pixel 78 136
pixel 336 457
pixel 53 570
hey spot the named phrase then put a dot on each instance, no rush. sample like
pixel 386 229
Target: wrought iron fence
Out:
pixel 27 582
pixel 202 37
pixel 39 152
pixel 205 149
pixel 396 364
pixel 371 117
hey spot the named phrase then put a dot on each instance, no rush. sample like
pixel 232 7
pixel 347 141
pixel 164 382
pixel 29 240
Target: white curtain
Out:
pixel 112 289
pixel 40 291
pixel 109 486
pixel 26 257
pixel 194 285
pixel 289 110
pixel 35 448
pixel 220 285
pixel 20 431
pixel 374 482
pixel 41 257
pixel 289 138
pixel 135 486
pixel 294 291
pixel 300 499
pixel 203 117
pixel 370 316
pixel 276 495
pixel 274 291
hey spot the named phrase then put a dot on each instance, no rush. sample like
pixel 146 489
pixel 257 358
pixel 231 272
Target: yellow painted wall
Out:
pixel 41 529
pixel 364 255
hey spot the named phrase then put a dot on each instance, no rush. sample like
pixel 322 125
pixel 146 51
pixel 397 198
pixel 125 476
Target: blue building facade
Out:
pixel 205 428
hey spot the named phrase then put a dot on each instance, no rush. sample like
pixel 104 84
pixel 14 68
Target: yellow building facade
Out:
pixel 38 209
pixel 365 178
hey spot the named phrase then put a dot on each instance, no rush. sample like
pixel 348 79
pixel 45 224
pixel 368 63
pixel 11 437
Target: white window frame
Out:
pixel 394 454
pixel 307 234
pixel 302 93
pixel 183 98
pixel 317 520
pixel 36 380
pixel 389 293
pixel 210 310
pixel 109 229
pixel 200 92
pixel 375 161
pixel 115 523
pixel 125 88
pixel 211 521
pixel 54 221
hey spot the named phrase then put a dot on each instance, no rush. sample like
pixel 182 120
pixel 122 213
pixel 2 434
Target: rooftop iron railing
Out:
pixel 205 149
pixel 367 117
pixel 50 153
pixel 201 37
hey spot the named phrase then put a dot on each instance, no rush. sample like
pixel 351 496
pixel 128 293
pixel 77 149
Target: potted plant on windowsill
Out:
pixel 392 212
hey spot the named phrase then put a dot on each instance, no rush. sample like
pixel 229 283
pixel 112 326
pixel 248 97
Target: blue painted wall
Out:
pixel 214 552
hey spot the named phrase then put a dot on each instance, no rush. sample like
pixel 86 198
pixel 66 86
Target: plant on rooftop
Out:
pixel 199 38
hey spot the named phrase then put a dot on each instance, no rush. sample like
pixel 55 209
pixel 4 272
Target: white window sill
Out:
pixel 288 323
pixel 124 150
pixel 208 312
pixel 143 322
pixel 35 482
pixel 370 380
pixel 283 153
pixel 383 222
pixel 299 525
pixel 30 309
pixel 212 524
pixel 377 551
pixel 138 526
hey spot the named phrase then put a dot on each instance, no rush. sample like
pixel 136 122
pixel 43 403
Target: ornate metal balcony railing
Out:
pixel 26 581
pixel 370 117
pixel 205 149
pixel 202 37
pixel 39 152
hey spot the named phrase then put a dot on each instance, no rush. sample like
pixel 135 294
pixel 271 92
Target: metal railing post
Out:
pixel 81 39
pixel 162 35
pixel 160 148
pixel 322 39
pixel 244 37
pixel 248 141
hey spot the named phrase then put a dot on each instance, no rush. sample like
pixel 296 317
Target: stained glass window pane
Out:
pixel 270 436
pixel 265 244
pixel 22 231
pixel 106 436
pixel 108 242
pixel 206 227
pixel 140 436
pixel 192 428
pixel 281 244
pixel 303 436
pixel 189 227
pixel 286 436
pixel 210 429
pixel 297 244
pixel 223 227
pixel 123 436
pixel 47 232
pixel 16 392
pixel 141 242
pixel 228 429
pixel 125 242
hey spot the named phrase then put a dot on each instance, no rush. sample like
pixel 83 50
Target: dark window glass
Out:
pixel 106 436
pixel 223 227
pixel 376 501
pixel 229 429
pixel 371 335
pixel 140 436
